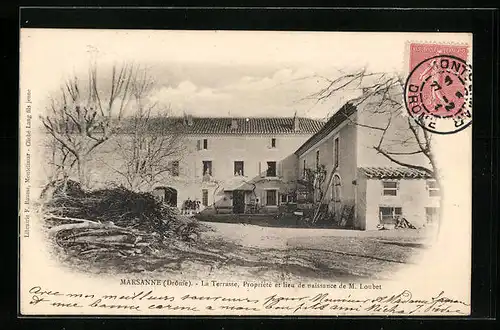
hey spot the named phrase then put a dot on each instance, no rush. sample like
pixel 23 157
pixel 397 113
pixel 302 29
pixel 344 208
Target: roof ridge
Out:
pixel 246 125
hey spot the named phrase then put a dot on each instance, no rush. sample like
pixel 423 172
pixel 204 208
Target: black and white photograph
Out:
pixel 245 173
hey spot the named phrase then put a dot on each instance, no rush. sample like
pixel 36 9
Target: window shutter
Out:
pixel 213 169
pixel 263 198
pixel 262 174
pixel 196 173
pixel 198 144
pixel 279 169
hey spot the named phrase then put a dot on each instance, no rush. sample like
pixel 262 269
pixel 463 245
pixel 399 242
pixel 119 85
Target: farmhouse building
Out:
pixel 361 184
pixel 255 165
pixel 238 165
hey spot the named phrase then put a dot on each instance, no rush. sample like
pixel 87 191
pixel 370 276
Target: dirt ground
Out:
pixel 325 253
pixel 275 237
pixel 249 252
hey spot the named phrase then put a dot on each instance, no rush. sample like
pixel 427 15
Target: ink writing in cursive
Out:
pixel 161 299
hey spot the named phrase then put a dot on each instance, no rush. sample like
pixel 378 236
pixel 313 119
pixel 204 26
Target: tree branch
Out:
pixel 394 160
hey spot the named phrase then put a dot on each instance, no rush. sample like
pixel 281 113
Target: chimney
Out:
pixel 296 126
pixel 234 124
pixel 188 119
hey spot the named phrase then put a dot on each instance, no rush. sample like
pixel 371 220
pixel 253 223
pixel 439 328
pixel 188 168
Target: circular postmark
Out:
pixel 438 94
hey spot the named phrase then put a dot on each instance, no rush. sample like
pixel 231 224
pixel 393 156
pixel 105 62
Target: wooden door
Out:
pixel 238 201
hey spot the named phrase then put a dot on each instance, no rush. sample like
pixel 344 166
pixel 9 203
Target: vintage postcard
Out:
pixel 245 173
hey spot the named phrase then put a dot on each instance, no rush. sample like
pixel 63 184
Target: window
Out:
pixel 304 173
pixel 238 168
pixel 432 214
pixel 174 168
pixel 336 151
pixel 204 197
pixel 317 159
pixel 433 188
pixel 205 144
pixel 336 188
pixel 388 215
pixel 273 143
pixel 207 167
pixel 271 169
pixel 390 188
pixel 271 197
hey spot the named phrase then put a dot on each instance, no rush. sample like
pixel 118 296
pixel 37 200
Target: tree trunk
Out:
pixel 135 183
pixel 81 172
pixel 81 163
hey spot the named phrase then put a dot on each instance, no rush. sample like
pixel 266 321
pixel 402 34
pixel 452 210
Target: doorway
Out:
pixel 171 196
pixel 238 201
pixel 336 194
pixel 167 195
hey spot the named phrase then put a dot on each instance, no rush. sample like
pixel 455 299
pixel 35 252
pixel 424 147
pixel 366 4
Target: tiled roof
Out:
pixel 394 173
pixel 250 125
pixel 338 118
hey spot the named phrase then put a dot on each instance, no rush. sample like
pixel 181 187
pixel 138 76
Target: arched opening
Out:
pixel 336 197
pixel 337 188
pixel 167 195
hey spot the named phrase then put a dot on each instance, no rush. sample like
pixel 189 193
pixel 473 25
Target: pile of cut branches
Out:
pixel 112 223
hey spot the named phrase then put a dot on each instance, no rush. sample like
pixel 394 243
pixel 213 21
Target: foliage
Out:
pixel 315 179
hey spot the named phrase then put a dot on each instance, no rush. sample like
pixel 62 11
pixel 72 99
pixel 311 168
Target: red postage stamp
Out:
pixel 438 90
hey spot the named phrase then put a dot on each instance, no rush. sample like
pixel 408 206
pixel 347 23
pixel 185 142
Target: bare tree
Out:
pixel 59 161
pixel 382 96
pixel 150 145
pixel 83 115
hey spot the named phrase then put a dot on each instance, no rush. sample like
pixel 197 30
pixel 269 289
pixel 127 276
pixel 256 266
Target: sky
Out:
pixel 221 73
